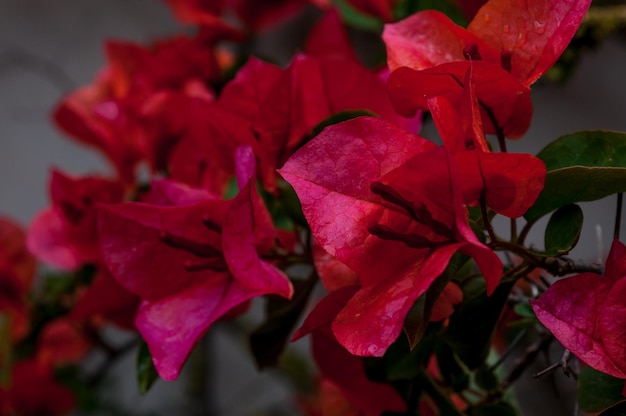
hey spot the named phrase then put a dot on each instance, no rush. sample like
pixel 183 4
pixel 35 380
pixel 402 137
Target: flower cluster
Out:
pixel 260 175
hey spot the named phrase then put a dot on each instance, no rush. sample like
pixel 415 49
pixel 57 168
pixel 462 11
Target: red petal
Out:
pixel 325 311
pixel 165 192
pixel 248 226
pixel 333 273
pixel 332 174
pixel 511 182
pixel 616 261
pixel 329 39
pixel 106 299
pixel 91 117
pixel 502 98
pixel 172 325
pixel 534 32
pixel 134 253
pixel 586 314
pixel 430 38
pixel 34 391
pixel 61 343
pixel 348 373
pixel 373 318
pixel 258 15
pixel 444 305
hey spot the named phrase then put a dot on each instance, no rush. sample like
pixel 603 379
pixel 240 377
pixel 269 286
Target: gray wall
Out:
pixel 48 47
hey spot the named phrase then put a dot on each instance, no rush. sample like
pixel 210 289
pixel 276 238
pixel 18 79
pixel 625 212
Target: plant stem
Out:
pixel 531 354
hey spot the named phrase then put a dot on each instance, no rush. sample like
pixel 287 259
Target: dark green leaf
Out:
pixel 617 410
pixel 452 372
pixel 524 310
pixel 419 315
pixel 357 19
pixel 563 229
pixel 405 364
pixel 338 118
pixel 472 325
pixel 405 8
pixel 290 204
pixel 268 341
pixel 583 166
pixel 598 391
pixel 146 373
pixel 486 379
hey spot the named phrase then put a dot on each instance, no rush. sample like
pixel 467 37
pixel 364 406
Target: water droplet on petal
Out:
pixel 540 27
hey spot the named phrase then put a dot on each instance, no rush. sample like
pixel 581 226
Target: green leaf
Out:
pixel 524 310
pixel 405 8
pixel 452 372
pixel 268 341
pixel 146 373
pixel 405 364
pixel 598 391
pixel 417 319
pixel 563 229
pixel 583 166
pixel 287 204
pixel 485 378
pixel 472 325
pixel 617 410
pixel 357 19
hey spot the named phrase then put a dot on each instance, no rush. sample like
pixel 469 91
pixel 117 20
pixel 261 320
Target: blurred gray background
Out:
pixel 49 47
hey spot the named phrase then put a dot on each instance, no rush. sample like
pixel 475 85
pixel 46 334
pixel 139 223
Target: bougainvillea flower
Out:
pixel 65 235
pixel 377 8
pixel 258 15
pixel 587 314
pixel 298 99
pixel 35 392
pixel 469 8
pixel 451 296
pixel 524 37
pixel 17 270
pixel 105 300
pixel 255 14
pixel 113 113
pixel 16 262
pixel 504 102
pixel 509 182
pixel 61 342
pixel 275 110
pixel 191 264
pixel 398 236
pixel 333 273
pixel 343 370
pixel 206 13
pixel 329 39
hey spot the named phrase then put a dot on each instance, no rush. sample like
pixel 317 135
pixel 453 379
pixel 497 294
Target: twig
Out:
pixel 563 363
pixel 531 354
